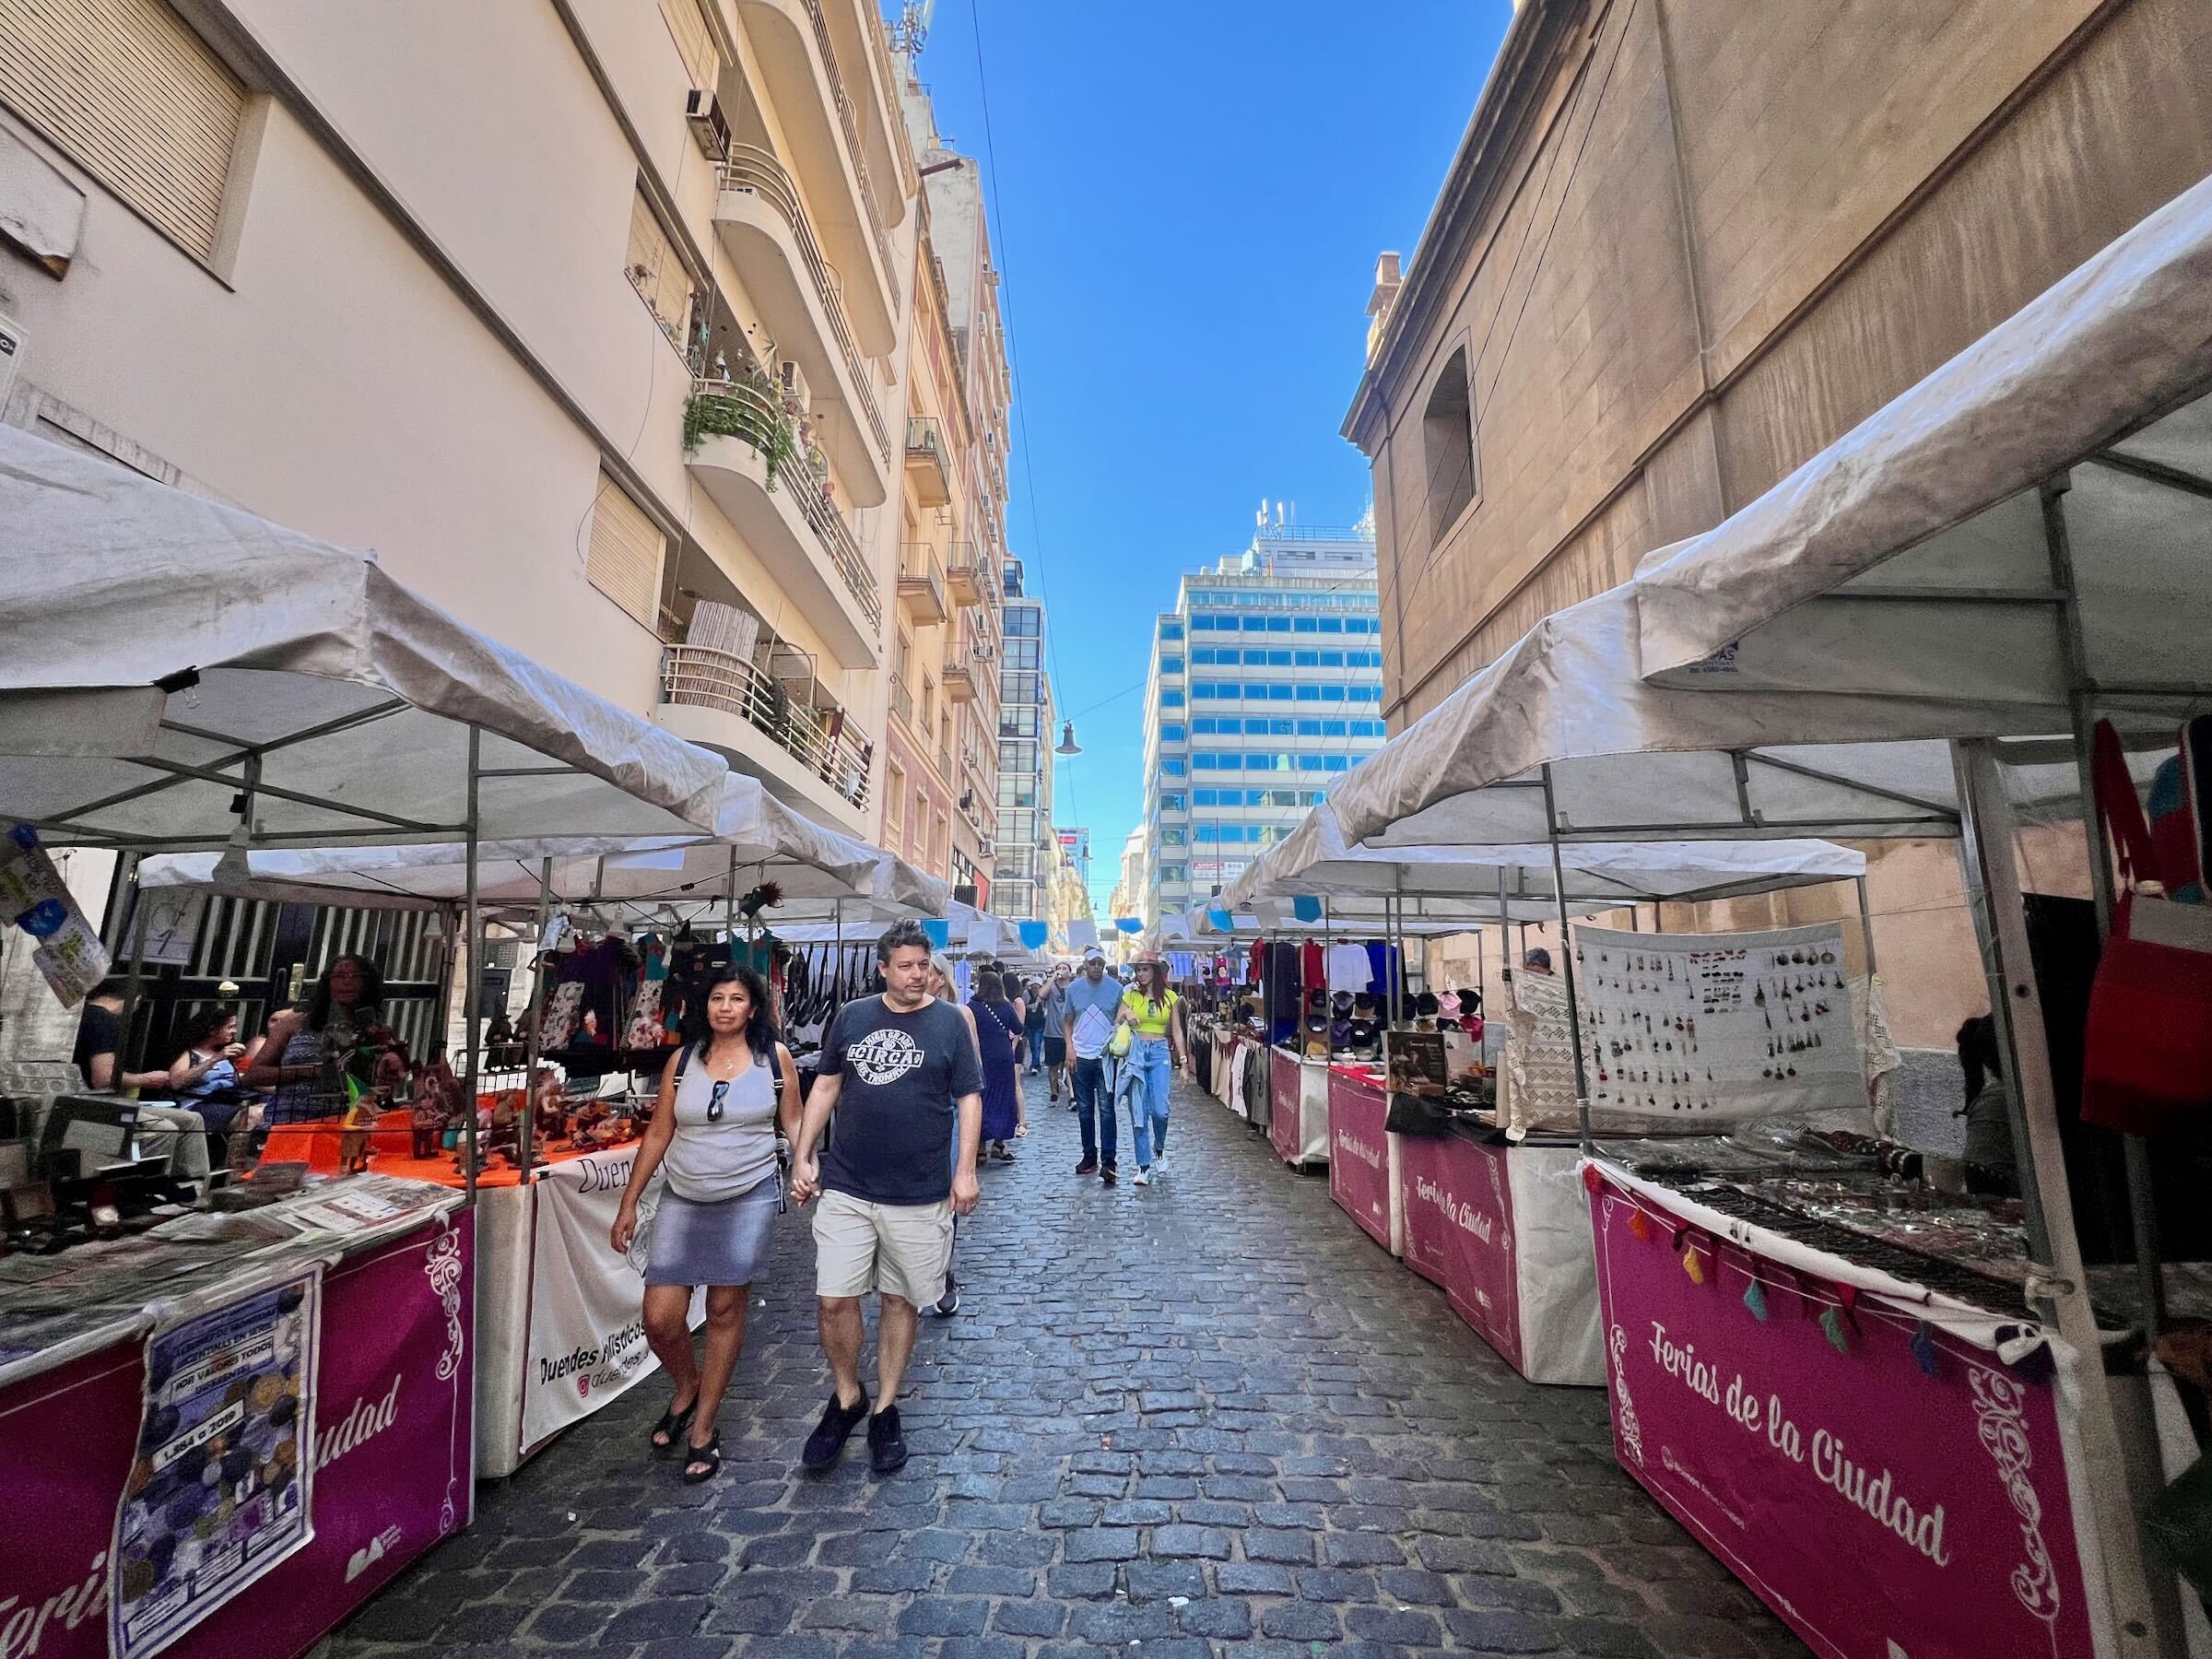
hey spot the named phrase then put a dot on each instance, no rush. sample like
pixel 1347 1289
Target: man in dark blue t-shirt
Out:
pixel 901 1073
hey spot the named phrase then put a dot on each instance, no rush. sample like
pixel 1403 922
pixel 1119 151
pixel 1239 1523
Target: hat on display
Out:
pixel 1426 1004
pixel 1448 1004
pixel 1341 1002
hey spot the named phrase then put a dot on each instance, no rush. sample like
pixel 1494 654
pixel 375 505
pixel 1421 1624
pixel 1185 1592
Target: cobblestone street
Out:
pixel 1207 1417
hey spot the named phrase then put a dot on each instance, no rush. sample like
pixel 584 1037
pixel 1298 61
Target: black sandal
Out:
pixel 672 1424
pixel 706 1459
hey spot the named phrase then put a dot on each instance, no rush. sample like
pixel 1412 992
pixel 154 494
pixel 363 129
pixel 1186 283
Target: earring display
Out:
pixel 1698 1028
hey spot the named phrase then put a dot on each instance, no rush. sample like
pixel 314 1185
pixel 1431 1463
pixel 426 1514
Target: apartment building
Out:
pixel 1069 899
pixel 1265 685
pixel 942 797
pixel 1682 249
pixel 1025 851
pixel 587 319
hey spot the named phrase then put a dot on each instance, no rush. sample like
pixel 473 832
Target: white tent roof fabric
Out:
pixel 1316 860
pixel 1911 557
pixel 767 841
pixel 356 695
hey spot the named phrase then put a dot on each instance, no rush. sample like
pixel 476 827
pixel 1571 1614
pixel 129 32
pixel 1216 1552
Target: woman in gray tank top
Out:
pixel 723 1103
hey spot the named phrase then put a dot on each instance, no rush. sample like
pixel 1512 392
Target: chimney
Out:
pixel 1388 281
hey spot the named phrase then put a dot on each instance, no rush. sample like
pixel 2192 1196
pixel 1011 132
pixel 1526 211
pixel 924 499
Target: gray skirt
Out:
pixel 717 1243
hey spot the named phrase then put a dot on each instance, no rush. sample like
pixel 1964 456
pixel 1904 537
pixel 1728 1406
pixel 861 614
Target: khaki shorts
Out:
pixel 902 1250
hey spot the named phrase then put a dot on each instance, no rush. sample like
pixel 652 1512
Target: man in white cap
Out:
pixel 1093 1004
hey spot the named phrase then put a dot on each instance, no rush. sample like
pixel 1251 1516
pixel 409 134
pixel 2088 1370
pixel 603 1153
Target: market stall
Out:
pixel 1383 1178
pixel 2009 551
pixel 559 1337
pixel 226 1435
pixel 338 709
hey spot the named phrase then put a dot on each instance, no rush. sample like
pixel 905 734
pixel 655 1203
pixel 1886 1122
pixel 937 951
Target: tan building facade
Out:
pixel 589 319
pixel 941 802
pixel 1684 247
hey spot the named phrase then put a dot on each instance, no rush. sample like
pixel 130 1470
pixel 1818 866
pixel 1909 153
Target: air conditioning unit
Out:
pixel 11 356
pixel 703 111
pixel 984 650
pixel 792 380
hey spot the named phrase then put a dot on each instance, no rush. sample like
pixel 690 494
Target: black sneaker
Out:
pixel 829 1435
pixel 1090 1166
pixel 887 1445
pixel 949 1304
pixel 1106 1173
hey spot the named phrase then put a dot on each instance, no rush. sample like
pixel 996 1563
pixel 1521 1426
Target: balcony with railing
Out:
pixel 766 228
pixel 921 585
pixel 823 129
pixel 959 680
pixel 928 464
pixel 902 702
pixel 732 702
pixel 745 451
pixel 967 574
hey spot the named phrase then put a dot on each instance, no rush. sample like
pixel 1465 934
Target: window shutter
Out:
pixel 625 559
pixel 694 41
pixel 652 267
pixel 134 97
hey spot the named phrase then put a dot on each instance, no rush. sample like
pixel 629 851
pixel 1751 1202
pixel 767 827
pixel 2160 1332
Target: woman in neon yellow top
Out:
pixel 1160 1048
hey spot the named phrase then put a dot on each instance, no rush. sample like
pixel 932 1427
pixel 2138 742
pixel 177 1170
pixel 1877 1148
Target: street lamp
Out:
pixel 1067 739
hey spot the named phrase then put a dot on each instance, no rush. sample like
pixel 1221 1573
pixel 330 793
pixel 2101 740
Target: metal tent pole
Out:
pixel 729 906
pixel 2142 1201
pixel 527 1133
pixel 2057 1278
pixel 1866 925
pixel 472 994
pixel 1574 1017
pixel 132 940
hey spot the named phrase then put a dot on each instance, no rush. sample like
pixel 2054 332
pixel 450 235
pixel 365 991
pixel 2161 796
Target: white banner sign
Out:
pixel 587 1332
pixel 1694 1030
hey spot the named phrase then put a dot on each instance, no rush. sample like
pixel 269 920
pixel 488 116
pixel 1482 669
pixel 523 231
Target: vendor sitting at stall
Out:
pixel 309 1050
pixel 1990 1167
pixel 204 1078
pixel 182 1134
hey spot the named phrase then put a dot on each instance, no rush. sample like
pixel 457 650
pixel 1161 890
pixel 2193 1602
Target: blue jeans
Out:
pixel 1155 1066
pixel 1094 1107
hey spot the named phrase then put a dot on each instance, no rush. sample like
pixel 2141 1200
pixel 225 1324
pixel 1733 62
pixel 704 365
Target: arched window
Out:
pixel 1448 446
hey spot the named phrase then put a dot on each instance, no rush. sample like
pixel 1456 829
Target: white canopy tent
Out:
pixel 176 674
pixel 160 655
pixel 2015 546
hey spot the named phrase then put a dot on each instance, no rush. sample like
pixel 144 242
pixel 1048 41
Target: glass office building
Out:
pixel 1026 852
pixel 1265 686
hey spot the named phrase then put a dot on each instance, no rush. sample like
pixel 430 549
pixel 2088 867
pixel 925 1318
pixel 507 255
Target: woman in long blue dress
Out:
pixel 998 1034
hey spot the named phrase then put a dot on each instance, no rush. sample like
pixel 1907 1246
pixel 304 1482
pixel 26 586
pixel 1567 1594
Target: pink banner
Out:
pixel 1878 1509
pixel 393 1464
pixel 1459 1232
pixel 1360 1153
pixel 1283 1081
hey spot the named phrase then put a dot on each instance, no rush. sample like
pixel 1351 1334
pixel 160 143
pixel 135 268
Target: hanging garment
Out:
pixel 1349 968
pixel 1312 965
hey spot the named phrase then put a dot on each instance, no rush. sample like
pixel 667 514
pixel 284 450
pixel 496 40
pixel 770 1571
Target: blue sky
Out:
pixel 1188 198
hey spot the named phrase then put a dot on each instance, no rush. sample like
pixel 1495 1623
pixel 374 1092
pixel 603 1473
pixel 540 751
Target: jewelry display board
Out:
pixel 1695 1031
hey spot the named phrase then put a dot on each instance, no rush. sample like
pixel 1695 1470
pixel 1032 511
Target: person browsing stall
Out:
pixel 892 1180
pixel 724 1103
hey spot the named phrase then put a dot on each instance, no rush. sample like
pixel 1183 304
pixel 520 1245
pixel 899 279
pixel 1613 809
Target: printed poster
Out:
pixel 218 1491
pixel 587 1326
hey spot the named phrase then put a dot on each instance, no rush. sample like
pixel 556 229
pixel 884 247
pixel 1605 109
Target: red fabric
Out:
pixel 1258 968
pixel 2146 1061
pixel 1310 970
